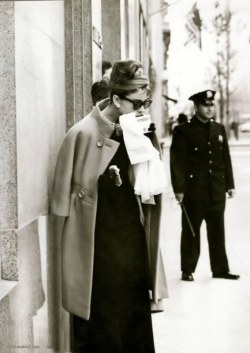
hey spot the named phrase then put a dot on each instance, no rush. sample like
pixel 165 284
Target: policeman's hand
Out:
pixel 231 193
pixel 179 197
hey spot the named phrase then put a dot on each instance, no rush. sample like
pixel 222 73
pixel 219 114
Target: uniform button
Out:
pixel 191 176
pixel 99 143
pixel 210 171
pixel 81 194
pixel 210 162
pixel 196 149
pixel 209 142
pixel 210 152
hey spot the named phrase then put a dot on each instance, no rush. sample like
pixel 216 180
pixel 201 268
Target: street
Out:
pixel 208 315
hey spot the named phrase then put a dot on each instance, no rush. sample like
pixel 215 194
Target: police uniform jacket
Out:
pixel 84 155
pixel 200 161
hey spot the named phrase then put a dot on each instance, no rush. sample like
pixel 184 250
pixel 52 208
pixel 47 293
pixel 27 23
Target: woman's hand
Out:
pixel 152 127
pixel 179 197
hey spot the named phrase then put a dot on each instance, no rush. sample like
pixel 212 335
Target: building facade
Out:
pixel 50 54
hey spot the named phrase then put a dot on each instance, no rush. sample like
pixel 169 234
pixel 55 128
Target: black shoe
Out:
pixel 187 277
pixel 226 275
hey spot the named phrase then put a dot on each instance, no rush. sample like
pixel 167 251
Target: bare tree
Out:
pixel 224 27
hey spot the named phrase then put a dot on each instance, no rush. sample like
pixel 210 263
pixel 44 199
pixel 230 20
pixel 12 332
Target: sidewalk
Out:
pixel 207 315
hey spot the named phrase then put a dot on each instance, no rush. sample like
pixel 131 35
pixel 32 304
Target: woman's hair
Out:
pixel 126 77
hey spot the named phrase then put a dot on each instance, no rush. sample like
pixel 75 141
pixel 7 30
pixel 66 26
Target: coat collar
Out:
pixel 100 123
pixel 212 125
pixel 196 120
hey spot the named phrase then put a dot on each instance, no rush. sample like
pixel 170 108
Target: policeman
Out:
pixel 201 175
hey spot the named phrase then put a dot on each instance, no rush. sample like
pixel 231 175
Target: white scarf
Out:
pixel 149 171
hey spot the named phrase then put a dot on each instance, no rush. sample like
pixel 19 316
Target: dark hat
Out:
pixel 100 90
pixel 204 97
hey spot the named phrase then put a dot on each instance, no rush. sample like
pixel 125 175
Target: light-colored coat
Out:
pixel 84 155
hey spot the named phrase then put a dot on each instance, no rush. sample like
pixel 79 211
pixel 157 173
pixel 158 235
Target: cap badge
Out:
pixel 209 94
pixel 220 138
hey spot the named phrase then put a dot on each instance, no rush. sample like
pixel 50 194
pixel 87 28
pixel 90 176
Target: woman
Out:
pixel 110 246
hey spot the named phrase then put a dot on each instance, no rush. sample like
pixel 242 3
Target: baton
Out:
pixel 187 218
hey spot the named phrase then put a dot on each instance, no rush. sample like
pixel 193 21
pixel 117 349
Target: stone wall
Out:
pixel 8 175
pixel 40 101
pixel 32 125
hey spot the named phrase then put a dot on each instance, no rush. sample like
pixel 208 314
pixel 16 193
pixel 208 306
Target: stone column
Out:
pixel 8 156
pixel 32 124
pixel 78 59
pixel 111 30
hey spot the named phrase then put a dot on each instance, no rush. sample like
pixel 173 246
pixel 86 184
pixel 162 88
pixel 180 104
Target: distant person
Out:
pixel 106 69
pixel 235 124
pixel 201 174
pixel 171 125
pixel 182 118
pixel 100 90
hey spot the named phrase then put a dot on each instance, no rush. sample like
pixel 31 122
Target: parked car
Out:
pixel 245 127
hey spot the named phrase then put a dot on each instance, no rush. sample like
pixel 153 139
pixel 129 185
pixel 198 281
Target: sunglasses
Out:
pixel 137 104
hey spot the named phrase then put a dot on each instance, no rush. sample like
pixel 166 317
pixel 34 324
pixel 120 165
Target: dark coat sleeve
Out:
pixel 178 160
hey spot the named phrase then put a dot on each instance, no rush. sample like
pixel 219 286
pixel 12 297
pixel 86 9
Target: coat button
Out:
pixel 81 194
pixel 99 143
pixel 196 149
pixel 210 152
pixel 210 171
pixel 210 162
pixel 191 176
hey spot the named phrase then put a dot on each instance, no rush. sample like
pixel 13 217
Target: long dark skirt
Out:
pixel 120 319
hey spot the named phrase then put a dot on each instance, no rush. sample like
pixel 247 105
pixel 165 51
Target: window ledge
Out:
pixel 6 287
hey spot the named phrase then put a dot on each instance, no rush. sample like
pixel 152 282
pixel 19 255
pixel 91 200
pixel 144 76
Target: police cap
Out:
pixel 204 97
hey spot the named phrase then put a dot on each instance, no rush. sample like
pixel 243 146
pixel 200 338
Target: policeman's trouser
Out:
pixel 213 213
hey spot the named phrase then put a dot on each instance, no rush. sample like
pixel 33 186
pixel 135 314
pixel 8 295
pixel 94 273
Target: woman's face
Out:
pixel 132 102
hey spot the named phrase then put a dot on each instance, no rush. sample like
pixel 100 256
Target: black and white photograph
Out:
pixel 124 176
